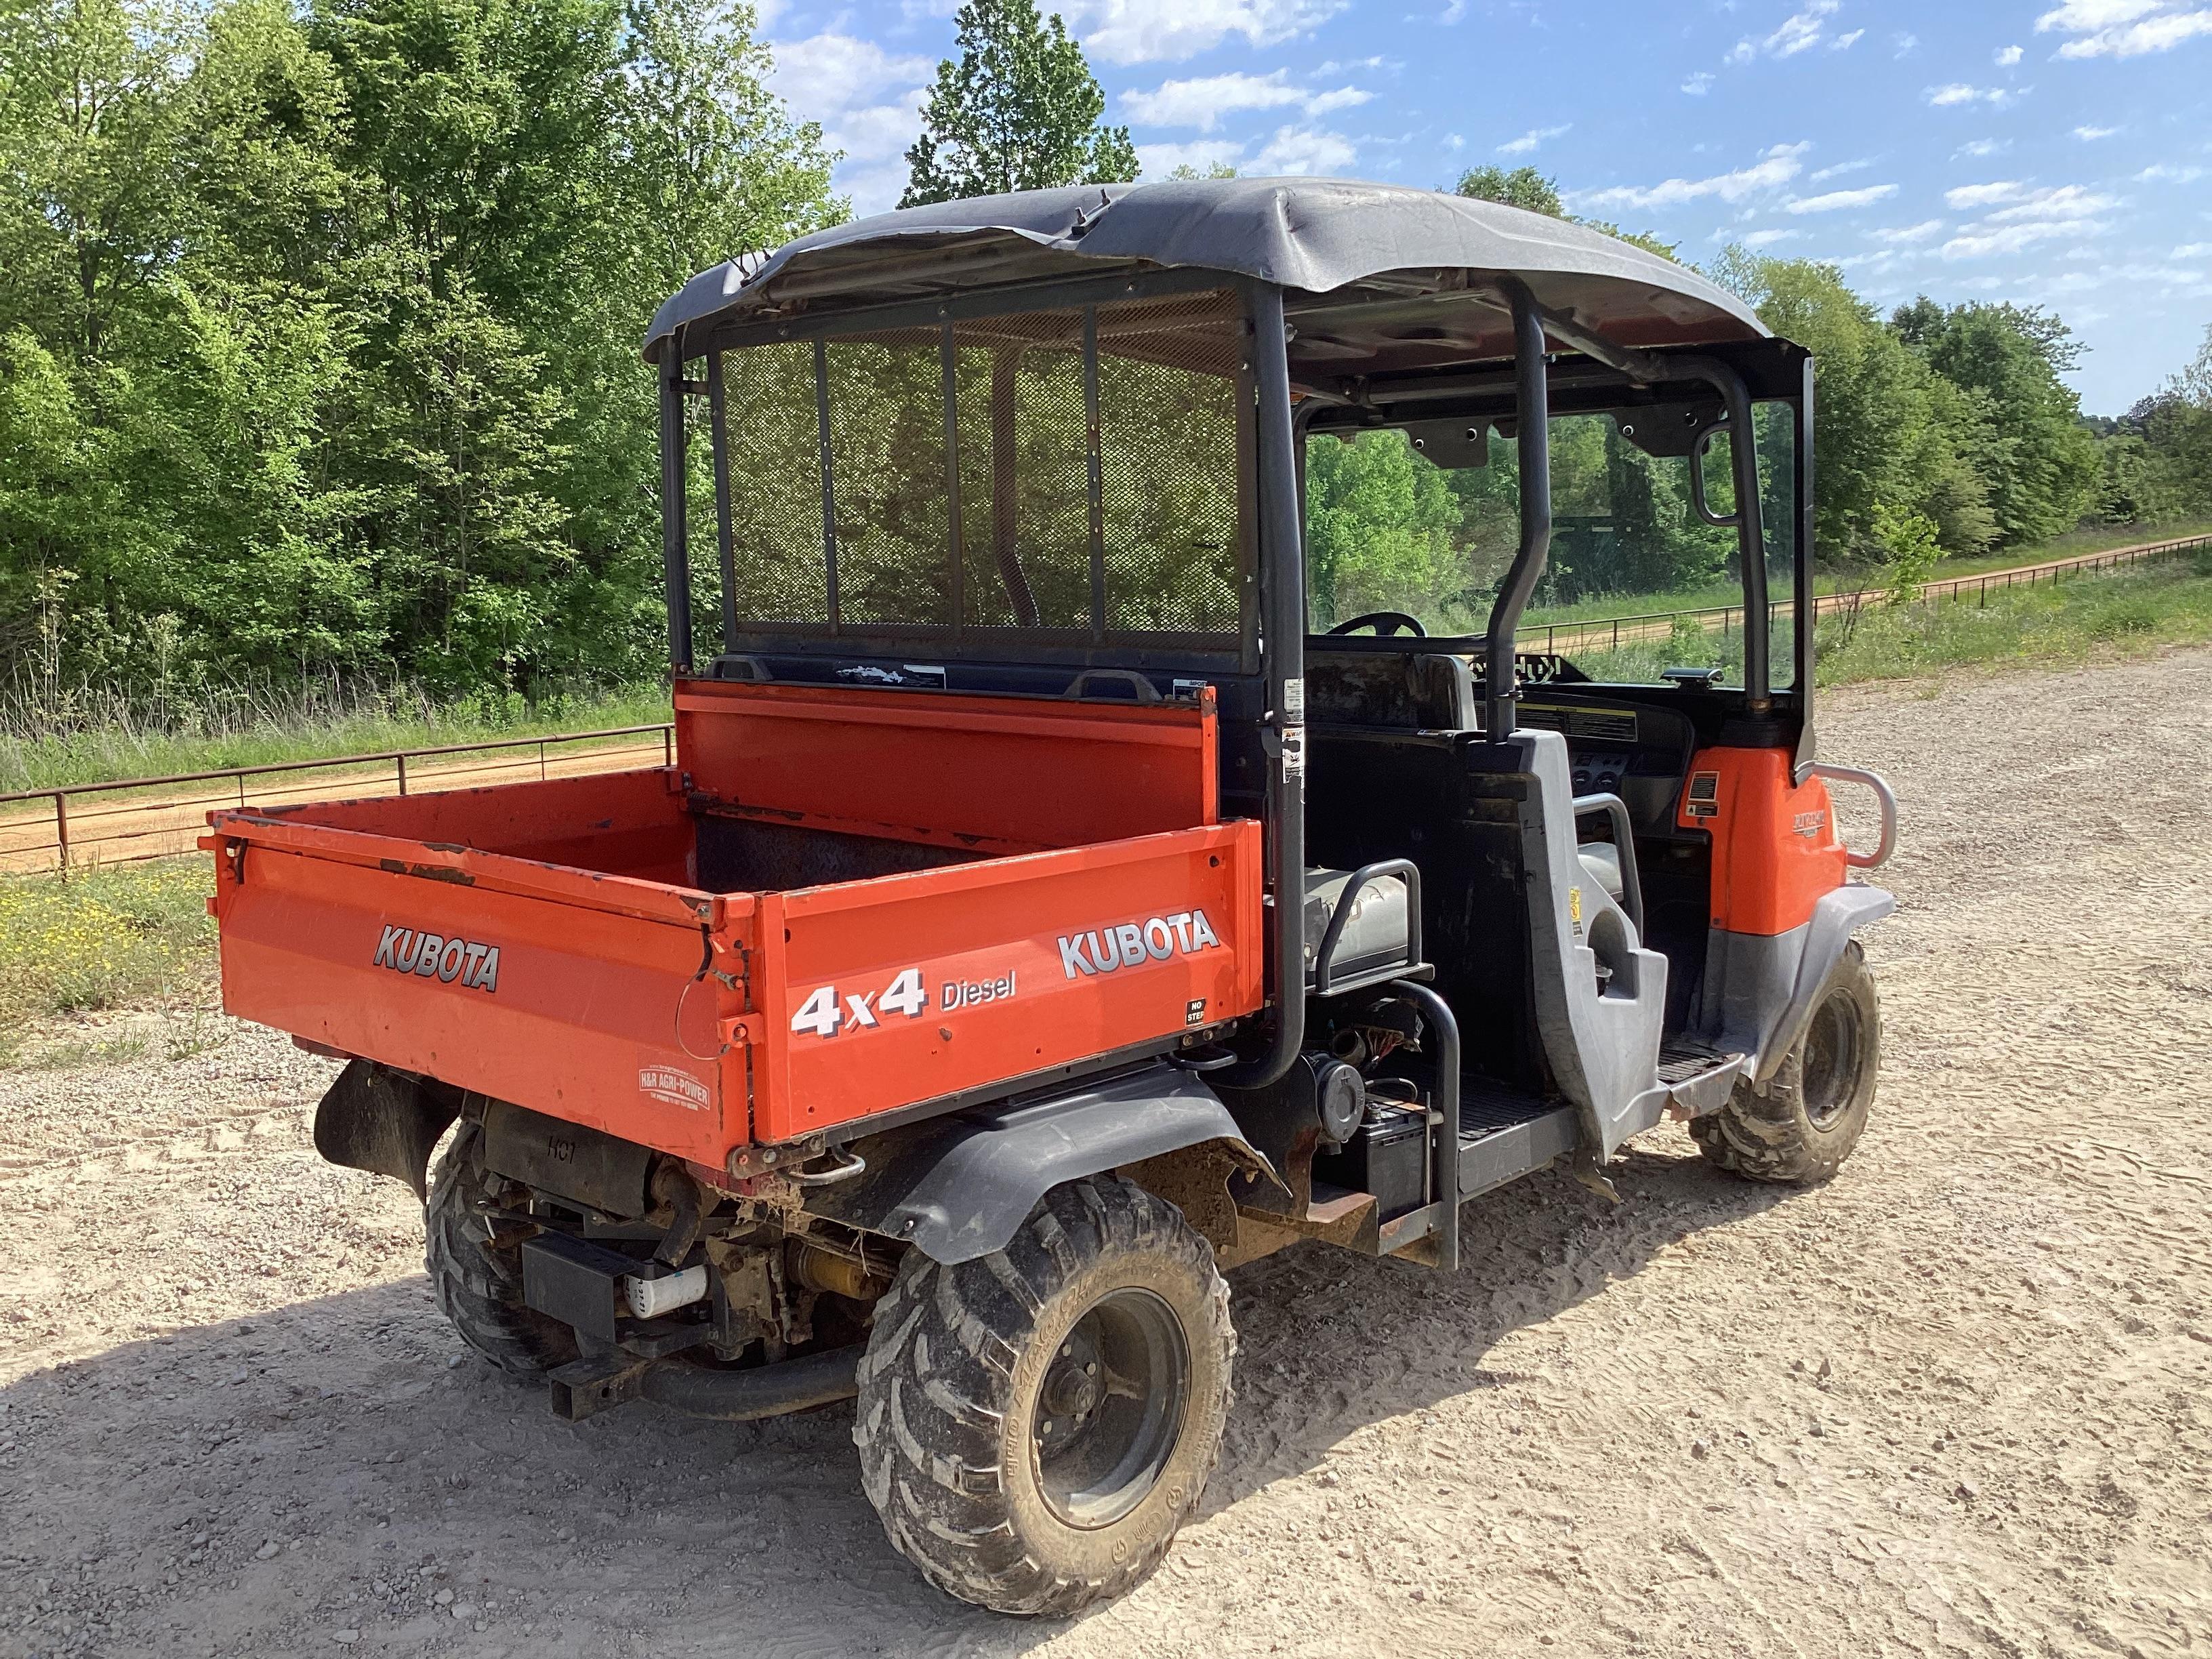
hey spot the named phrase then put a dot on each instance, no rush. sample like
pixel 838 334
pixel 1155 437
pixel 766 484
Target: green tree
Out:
pixel 1526 188
pixel 1018 109
pixel 1523 187
pixel 2043 477
pixel 1887 436
pixel 2174 429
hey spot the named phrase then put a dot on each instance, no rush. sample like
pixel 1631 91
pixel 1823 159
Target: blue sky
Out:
pixel 2055 152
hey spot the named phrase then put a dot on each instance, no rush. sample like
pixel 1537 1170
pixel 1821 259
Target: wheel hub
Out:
pixel 1111 1408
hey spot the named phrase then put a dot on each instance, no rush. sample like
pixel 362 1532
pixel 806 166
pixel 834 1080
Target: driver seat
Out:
pixel 1445 684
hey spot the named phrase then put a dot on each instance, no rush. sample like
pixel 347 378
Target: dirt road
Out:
pixel 1960 1401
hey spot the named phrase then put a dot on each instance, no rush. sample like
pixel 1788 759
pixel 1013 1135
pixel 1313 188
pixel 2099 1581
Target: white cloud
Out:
pixel 1310 150
pixel 1905 235
pixel 1765 238
pixel 1985 147
pixel 1839 200
pixel 1204 101
pixel 1904 46
pixel 1800 32
pixel 1157 31
pixel 2024 217
pixel 1336 67
pixel 1982 240
pixel 2090 135
pixel 1774 168
pixel 2166 172
pixel 2124 28
pixel 1845 42
pixel 1454 142
pixel 1839 170
pixel 1698 84
pixel 1974 195
pixel 1958 92
pixel 825 75
pixel 1340 98
pixel 2193 251
pixel 1201 154
pixel 2006 56
pixel 2062 201
pixel 1532 140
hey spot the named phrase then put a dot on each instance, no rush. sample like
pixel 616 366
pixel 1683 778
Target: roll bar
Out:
pixel 1532 416
pixel 1283 632
pixel 1750 533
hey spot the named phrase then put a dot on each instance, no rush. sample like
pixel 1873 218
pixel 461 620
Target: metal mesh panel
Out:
pixel 1167 443
pixel 776 466
pixel 1095 455
pixel 893 501
pixel 1024 472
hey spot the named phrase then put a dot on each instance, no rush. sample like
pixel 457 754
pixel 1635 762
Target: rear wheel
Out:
pixel 1034 1426
pixel 1801 1127
pixel 477 1280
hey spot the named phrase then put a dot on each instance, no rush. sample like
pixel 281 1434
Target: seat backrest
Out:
pixel 1427 691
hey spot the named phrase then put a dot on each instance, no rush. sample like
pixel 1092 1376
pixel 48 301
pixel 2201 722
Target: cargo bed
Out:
pixel 840 903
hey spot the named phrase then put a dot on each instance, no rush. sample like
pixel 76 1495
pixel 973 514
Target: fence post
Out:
pixel 541 760
pixel 1616 632
pixel 61 830
pixel 668 746
pixel 401 762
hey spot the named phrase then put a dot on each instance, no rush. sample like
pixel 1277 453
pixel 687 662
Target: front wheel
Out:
pixel 1800 1128
pixel 1034 1426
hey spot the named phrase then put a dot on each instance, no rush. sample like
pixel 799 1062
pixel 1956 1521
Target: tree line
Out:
pixel 318 333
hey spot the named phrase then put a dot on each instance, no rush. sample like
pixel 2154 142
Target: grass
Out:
pixel 2125 613
pixel 1713 595
pixel 130 935
pixel 96 743
pixel 138 935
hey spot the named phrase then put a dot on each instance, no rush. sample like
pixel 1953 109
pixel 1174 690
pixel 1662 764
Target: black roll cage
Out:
pixel 1534 387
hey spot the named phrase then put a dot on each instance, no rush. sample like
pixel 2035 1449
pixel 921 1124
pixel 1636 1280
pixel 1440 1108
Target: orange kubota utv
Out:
pixel 1069 884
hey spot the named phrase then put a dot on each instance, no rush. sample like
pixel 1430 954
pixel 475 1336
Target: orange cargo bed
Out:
pixel 840 902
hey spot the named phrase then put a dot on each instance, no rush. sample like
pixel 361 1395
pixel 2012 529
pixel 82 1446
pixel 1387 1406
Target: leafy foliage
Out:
pixel 1018 109
pixel 318 329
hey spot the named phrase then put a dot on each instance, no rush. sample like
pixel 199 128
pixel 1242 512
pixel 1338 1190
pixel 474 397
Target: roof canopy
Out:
pixel 1373 270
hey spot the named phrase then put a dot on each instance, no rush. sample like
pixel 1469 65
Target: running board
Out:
pixel 1698 1079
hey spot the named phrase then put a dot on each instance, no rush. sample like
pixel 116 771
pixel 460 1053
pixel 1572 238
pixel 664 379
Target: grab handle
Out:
pixel 1624 841
pixel 1883 794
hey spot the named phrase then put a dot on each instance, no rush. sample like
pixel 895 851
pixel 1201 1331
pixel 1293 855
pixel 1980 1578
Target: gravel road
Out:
pixel 1958 1401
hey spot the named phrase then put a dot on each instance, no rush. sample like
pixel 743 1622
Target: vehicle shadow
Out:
pixel 268 1485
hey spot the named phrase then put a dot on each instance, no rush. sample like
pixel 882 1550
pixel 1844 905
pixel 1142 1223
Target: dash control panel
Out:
pixel 1599 775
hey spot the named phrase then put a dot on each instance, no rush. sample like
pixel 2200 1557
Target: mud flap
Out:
pixel 384 1123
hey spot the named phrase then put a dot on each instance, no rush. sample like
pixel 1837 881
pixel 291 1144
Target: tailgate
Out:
pixel 578 994
pixel 879 995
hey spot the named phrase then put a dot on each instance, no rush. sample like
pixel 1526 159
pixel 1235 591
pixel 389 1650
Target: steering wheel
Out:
pixel 1385 624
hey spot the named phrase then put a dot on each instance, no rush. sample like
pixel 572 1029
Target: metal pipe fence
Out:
pixel 86 823
pixel 1613 632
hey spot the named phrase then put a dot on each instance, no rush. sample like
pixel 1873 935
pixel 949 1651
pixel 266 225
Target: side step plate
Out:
pixel 1699 1079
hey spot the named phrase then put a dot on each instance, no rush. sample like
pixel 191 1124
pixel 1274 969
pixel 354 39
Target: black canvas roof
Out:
pixel 1383 255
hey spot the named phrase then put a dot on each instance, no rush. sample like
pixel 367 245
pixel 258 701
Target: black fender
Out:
pixel 1759 992
pixel 956 1188
pixel 384 1121
pixel 1836 917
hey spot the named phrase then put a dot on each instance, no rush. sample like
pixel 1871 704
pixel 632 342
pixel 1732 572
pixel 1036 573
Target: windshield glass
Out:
pixel 1425 521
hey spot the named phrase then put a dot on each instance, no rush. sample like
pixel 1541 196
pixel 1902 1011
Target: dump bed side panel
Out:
pixel 634 823
pixel 1032 772
pixel 882 993
pixel 592 1014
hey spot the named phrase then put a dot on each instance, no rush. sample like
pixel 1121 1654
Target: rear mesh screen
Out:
pixel 1072 473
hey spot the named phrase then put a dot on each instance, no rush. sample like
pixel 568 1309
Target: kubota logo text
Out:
pixel 435 956
pixel 1133 943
